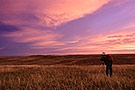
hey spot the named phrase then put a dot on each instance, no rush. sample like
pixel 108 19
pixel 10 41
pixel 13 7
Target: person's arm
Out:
pixel 102 60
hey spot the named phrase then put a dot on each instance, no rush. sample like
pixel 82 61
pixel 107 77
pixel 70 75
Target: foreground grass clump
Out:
pixel 32 77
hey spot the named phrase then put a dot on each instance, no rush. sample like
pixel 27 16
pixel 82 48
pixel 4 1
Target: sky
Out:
pixel 43 27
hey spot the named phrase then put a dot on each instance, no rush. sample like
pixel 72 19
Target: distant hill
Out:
pixel 64 59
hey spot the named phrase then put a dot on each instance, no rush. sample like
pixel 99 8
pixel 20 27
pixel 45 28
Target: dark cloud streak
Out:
pixel 6 28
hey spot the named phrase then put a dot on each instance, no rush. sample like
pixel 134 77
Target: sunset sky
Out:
pixel 31 27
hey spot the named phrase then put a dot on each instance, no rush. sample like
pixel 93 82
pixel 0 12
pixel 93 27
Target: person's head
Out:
pixel 103 53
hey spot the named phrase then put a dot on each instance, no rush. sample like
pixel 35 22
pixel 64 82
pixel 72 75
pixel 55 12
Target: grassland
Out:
pixel 34 77
pixel 71 72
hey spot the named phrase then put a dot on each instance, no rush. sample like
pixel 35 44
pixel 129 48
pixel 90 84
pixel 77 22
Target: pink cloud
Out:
pixel 1 48
pixel 125 39
pixel 38 24
pixel 60 11
pixel 52 13
pixel 36 38
pixel 41 39
pixel 118 41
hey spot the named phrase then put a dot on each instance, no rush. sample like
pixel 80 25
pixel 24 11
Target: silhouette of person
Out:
pixel 107 60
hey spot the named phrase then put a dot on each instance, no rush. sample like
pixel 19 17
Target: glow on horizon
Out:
pixel 67 27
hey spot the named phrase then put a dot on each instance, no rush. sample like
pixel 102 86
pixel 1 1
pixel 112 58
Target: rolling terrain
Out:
pixel 119 59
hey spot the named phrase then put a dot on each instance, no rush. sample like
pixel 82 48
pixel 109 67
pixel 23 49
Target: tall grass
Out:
pixel 33 77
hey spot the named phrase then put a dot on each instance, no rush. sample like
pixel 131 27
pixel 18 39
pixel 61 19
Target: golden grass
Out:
pixel 36 77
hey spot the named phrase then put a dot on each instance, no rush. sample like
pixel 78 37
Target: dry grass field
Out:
pixel 72 72
pixel 34 77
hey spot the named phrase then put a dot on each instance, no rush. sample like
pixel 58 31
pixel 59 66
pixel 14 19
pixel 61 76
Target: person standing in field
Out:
pixel 107 60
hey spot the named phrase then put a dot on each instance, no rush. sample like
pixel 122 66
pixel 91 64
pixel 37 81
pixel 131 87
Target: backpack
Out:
pixel 110 58
pixel 106 58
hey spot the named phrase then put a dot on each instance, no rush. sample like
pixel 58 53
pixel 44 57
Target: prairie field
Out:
pixel 66 73
pixel 37 77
